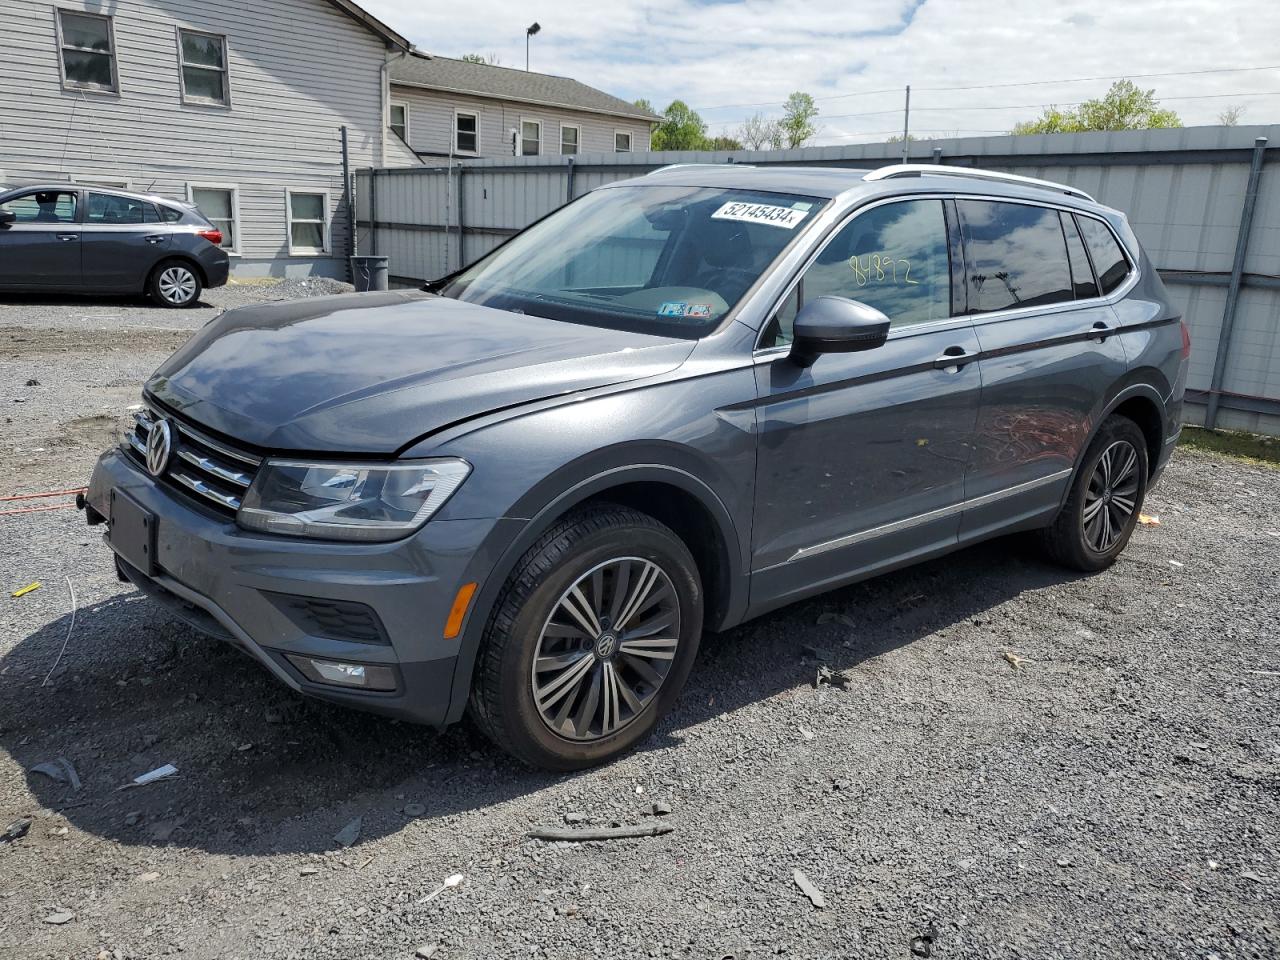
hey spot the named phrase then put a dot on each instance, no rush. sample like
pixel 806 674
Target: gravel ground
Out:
pixel 1116 794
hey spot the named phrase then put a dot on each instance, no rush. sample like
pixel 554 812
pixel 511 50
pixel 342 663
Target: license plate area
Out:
pixel 132 532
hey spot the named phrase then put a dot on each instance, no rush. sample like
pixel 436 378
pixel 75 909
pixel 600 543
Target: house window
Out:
pixel 220 205
pixel 308 222
pixel 88 51
pixel 621 141
pixel 530 138
pixel 203 60
pixel 466 137
pixel 400 120
pixel 570 135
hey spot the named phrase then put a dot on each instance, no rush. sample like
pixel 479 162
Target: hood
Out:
pixel 368 373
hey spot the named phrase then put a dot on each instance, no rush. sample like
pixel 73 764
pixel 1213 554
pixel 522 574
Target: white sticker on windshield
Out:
pixel 784 217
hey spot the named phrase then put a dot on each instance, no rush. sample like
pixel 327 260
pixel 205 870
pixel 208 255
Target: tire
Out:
pixel 568 724
pixel 175 284
pixel 1079 541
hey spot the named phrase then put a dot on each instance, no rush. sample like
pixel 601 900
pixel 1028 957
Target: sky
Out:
pixel 729 60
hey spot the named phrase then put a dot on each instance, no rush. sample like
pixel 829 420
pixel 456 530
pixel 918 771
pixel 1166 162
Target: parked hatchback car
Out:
pixel 677 403
pixel 73 239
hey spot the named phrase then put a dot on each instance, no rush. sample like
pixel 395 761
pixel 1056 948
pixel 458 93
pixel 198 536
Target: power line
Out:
pixel 992 86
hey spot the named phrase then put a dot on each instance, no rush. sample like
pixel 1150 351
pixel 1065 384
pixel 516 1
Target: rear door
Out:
pixel 861 457
pixel 1050 353
pixel 41 248
pixel 123 239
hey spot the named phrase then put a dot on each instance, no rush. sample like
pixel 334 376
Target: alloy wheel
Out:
pixel 1111 497
pixel 606 648
pixel 177 285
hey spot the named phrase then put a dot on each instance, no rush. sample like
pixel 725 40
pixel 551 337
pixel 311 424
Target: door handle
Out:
pixel 953 359
pixel 68 236
pixel 1100 331
pixel 155 238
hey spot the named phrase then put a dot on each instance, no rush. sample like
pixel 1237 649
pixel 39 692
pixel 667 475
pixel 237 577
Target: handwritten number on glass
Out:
pixel 881 269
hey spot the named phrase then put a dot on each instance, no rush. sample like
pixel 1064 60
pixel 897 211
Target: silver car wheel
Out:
pixel 177 285
pixel 606 649
pixel 1111 497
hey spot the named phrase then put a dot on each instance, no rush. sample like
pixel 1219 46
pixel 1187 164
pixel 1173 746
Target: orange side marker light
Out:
pixel 453 626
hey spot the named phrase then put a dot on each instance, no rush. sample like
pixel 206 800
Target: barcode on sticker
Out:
pixel 774 216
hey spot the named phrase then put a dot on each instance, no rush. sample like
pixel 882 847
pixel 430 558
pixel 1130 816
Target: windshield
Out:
pixel 653 259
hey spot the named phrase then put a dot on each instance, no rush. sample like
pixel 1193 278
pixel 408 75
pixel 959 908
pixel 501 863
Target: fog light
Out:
pixel 365 676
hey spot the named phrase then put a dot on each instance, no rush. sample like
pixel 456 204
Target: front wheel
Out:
pixel 1101 511
pixel 591 640
pixel 175 284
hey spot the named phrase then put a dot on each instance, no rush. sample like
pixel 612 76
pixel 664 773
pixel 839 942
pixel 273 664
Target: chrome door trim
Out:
pixel 908 523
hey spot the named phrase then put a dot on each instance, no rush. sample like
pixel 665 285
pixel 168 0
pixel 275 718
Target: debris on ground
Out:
pixel 602 833
pixel 151 776
pixel 1252 875
pixel 839 618
pixel 16 830
pixel 922 944
pixel 1148 519
pixel 806 733
pixel 1175 563
pixel 572 818
pixel 60 770
pixel 349 834
pixel 1015 661
pixel 449 883
pixel 23 591
pixel 661 809
pixel 149 877
pixel 60 918
pixel 308 871
pixel 809 890
pixel 831 678
pixel 427 951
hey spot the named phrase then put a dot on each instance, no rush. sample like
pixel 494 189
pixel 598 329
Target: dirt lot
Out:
pixel 1118 794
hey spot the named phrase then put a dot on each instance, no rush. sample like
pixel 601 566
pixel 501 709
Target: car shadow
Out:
pixel 89 300
pixel 262 770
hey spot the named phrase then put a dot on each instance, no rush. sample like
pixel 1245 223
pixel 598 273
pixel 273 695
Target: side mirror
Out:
pixel 836 325
pixel 7 217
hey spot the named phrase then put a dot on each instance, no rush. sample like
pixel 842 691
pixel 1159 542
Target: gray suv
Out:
pixel 677 403
pixel 66 238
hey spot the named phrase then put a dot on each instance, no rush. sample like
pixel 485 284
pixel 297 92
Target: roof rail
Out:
pixel 938 170
pixel 677 166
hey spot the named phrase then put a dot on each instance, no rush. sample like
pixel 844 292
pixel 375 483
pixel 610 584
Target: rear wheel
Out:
pixel 1106 495
pixel 590 641
pixel 175 283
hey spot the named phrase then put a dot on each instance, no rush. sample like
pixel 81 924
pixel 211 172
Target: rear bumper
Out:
pixel 216 266
pixel 249 589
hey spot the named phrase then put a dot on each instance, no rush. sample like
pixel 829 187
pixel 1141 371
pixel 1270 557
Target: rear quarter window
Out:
pixel 1109 261
pixel 170 215
pixel 1016 255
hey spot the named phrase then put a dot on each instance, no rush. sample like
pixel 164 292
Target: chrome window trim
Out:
pixel 973 319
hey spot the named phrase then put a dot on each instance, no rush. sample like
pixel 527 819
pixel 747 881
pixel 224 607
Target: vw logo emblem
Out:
pixel 159 447
pixel 606 645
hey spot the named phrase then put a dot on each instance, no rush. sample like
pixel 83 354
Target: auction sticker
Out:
pixel 766 213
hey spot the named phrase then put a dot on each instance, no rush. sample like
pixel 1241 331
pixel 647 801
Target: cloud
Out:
pixel 728 59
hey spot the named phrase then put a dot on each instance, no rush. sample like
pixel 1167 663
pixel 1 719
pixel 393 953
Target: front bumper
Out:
pixel 246 587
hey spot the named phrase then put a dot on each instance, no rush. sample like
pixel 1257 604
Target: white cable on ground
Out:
pixel 71 626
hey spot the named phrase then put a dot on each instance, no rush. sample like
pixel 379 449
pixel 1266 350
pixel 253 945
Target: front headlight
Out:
pixel 357 501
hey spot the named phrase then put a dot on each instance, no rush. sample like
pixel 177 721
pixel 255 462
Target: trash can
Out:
pixel 369 273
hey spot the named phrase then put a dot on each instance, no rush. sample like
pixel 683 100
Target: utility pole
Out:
pixel 906 125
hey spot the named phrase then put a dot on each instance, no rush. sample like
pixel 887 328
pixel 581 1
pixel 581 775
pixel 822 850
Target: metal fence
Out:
pixel 1200 199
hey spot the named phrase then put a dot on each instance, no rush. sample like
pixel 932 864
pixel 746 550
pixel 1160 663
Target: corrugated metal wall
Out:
pixel 1183 190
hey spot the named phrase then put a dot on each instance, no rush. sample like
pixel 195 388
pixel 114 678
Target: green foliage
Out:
pixel 645 105
pixel 492 59
pixel 796 125
pixel 682 129
pixel 1125 107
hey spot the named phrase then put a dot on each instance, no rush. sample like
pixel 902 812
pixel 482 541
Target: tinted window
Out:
pixel 1082 281
pixel 170 215
pixel 1017 256
pixel 44 206
pixel 1108 259
pixel 892 257
pixel 106 208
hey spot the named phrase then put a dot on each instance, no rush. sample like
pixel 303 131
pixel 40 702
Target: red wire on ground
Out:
pixel 60 506
pixel 52 493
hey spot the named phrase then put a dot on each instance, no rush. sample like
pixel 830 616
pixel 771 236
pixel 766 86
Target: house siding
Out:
pixel 298 71
pixel 431 124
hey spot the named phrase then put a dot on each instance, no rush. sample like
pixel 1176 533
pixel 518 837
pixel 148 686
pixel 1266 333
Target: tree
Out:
pixel 645 105
pixel 797 124
pixel 682 129
pixel 1125 107
pixel 757 132
pixel 1230 117
pixel 492 59
pixel 724 142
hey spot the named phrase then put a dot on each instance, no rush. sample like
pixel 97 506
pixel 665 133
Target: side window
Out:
pixel 44 206
pixel 1108 259
pixel 892 257
pixel 108 209
pixel 1083 283
pixel 1016 255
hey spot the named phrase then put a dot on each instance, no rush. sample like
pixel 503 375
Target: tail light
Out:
pixel 214 236
pixel 1186 339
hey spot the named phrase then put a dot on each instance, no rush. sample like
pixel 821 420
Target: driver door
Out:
pixel 41 247
pixel 861 457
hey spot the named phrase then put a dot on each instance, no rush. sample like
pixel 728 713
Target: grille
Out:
pixel 214 473
pixel 332 619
